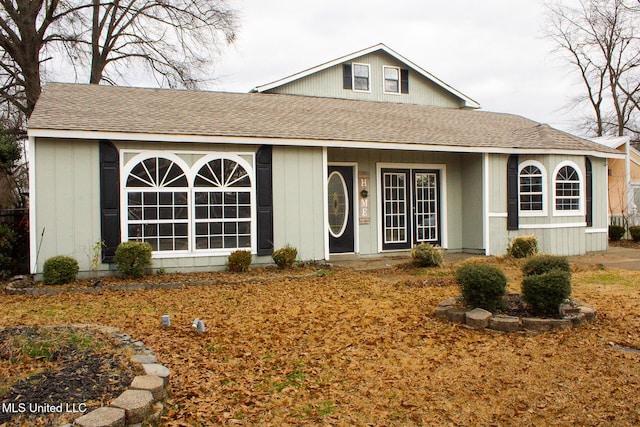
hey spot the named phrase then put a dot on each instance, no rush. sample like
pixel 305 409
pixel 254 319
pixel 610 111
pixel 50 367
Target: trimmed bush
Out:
pixel 541 264
pixel 7 240
pixel 482 285
pixel 426 255
pixel 133 258
pixel 285 257
pixel 616 232
pixel 523 247
pixel 634 231
pixel 239 261
pixel 545 292
pixel 59 270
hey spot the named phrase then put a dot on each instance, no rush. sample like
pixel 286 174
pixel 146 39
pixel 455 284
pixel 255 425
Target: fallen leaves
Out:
pixel 361 348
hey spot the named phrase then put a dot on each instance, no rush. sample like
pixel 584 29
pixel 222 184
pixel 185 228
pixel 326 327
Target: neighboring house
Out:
pixel 364 155
pixel 624 181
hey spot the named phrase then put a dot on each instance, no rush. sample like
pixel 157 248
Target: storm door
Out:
pixel 341 209
pixel 410 208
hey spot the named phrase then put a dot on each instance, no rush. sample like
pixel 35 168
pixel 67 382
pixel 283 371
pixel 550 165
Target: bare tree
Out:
pixel 175 40
pixel 599 38
pixel 26 29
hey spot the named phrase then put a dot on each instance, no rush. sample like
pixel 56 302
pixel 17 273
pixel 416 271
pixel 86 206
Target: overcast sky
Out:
pixel 491 50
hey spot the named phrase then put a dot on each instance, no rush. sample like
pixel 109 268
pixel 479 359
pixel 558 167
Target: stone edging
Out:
pixel 142 402
pixel 478 318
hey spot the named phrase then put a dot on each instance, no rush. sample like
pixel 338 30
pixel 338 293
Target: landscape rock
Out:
pixel 102 417
pixel 448 302
pixel 505 323
pixel 144 358
pixel 441 311
pixel 456 314
pixel 589 313
pixel 152 383
pixel 157 369
pixel 478 318
pixel 137 405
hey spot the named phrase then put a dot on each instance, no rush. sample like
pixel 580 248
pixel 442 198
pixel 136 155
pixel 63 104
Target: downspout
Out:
pixel 33 230
pixel 627 172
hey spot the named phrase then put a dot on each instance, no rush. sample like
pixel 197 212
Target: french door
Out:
pixel 410 207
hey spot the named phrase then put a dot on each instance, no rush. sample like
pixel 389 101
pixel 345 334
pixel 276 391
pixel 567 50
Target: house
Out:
pixel 624 181
pixel 364 155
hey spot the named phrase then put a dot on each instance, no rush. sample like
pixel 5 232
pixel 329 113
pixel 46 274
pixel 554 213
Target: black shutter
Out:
pixel 512 193
pixel 346 76
pixel 589 192
pixel 109 199
pixel 264 184
pixel 404 81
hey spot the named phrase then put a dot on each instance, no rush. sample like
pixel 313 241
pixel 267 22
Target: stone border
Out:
pixel 478 318
pixel 142 402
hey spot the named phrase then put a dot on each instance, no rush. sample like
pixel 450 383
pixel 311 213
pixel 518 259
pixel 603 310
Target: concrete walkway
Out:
pixel 615 257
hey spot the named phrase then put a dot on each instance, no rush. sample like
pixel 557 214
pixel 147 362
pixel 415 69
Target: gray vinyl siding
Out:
pixel 67 202
pixel 329 83
pixel 472 203
pixel 298 201
pixel 561 235
pixel 68 199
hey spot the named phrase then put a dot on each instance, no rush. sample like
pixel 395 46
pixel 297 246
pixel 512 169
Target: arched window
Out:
pixel 177 208
pixel 222 201
pixel 532 188
pixel 157 204
pixel 568 189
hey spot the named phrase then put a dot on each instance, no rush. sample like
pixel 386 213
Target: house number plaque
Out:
pixel 363 196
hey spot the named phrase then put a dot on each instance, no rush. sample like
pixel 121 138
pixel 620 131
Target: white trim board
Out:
pixel 212 139
pixel 552 226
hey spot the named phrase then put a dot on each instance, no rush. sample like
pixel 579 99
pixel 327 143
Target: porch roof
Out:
pixel 73 110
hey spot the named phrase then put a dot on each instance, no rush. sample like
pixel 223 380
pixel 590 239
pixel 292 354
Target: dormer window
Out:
pixel 391 79
pixel 361 77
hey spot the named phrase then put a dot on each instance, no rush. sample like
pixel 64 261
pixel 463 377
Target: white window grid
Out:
pixel 567 189
pixel 166 217
pixel 426 206
pixel 391 79
pixel 395 207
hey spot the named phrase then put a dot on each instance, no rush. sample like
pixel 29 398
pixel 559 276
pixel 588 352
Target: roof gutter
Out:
pixel 257 140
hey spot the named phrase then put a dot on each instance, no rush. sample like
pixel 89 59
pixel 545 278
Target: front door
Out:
pixel 341 209
pixel 410 207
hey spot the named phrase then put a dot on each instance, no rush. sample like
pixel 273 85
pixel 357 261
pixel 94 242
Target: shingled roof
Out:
pixel 334 122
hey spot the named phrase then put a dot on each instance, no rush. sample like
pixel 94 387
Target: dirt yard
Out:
pixel 342 347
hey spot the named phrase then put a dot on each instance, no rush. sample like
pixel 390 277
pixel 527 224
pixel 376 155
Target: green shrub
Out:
pixel 285 257
pixel 523 246
pixel 616 232
pixel 7 240
pixel 426 255
pixel 541 264
pixel 132 258
pixel 482 285
pixel 239 261
pixel 545 292
pixel 634 231
pixel 59 270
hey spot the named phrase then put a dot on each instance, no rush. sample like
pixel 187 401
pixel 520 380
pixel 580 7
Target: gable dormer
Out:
pixel 374 74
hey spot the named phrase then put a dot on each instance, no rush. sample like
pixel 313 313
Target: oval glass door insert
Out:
pixel 338 205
